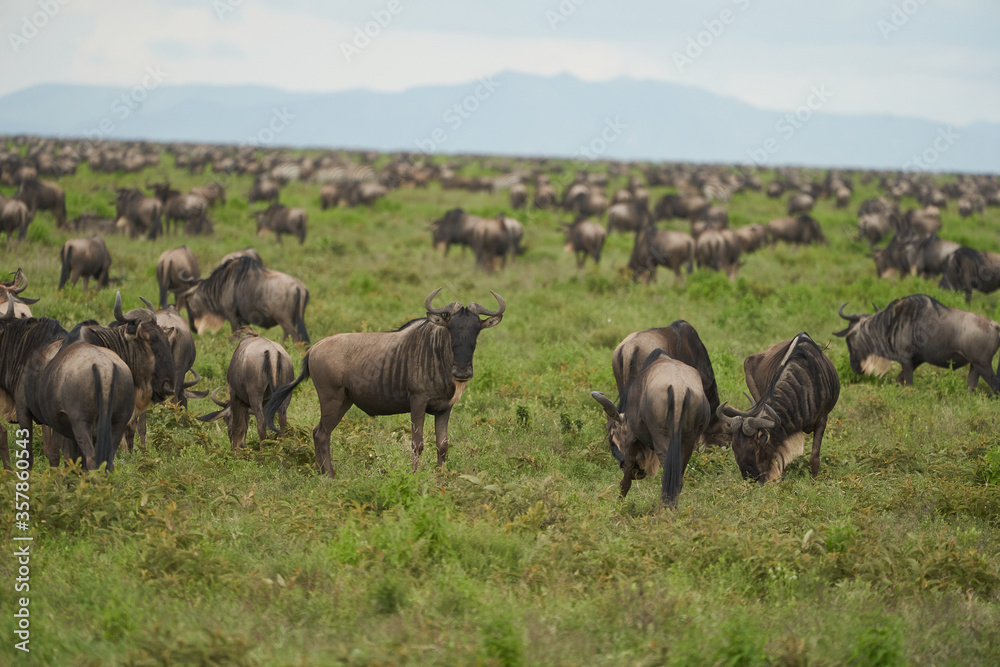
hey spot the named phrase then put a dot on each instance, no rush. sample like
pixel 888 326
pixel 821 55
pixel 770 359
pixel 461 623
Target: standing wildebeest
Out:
pixel 801 230
pixel 718 250
pixel 873 226
pixel 189 209
pixel 264 189
pixel 800 204
pixel 967 269
pixel 280 219
pixel 690 207
pixel 585 237
pixel 661 247
pixel 139 213
pixel 176 271
pixel 10 290
pixel 243 292
pixel 422 367
pixel 714 217
pixel 518 195
pixel 492 243
pixel 918 329
pixel 138 341
pixel 751 237
pixel 329 196
pixel 43 196
pixel 794 386
pixel 258 367
pixel 15 216
pixel 456 226
pixel 680 341
pixel 213 193
pixel 182 347
pixel 88 258
pixel 661 415
pixel 628 217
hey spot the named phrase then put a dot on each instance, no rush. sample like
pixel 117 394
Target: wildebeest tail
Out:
pixel 66 260
pixel 105 407
pixel 301 301
pixel 161 277
pixel 673 472
pixel 279 395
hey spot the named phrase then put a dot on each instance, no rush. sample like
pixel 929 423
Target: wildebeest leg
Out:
pixel 817 441
pixel 85 443
pixel 70 450
pixel 441 435
pixel 50 447
pixel 418 409
pixel 4 451
pixel 86 283
pixel 130 430
pixel 142 430
pixel 905 376
pixel 239 422
pixel 339 405
pixel 257 409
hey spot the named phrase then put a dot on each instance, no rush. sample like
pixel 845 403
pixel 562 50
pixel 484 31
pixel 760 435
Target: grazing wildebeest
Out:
pixel 545 196
pixel 421 368
pixel 873 226
pixel 10 290
pixel 922 221
pixel 139 214
pixel 585 237
pixel 680 341
pixel 95 224
pixel 189 209
pixel 213 193
pixel 801 230
pixel 456 226
pixel 751 237
pixel 800 204
pixel 662 414
pixel 264 189
pixel 918 329
pixel 280 219
pixel 86 258
pixel 515 234
pixel 85 395
pixel 258 367
pixel 492 243
pixel 176 270
pixel 714 217
pixel 243 292
pixel 43 196
pixel 140 342
pixel 718 250
pixel 661 247
pixel 182 347
pixel 794 386
pixel 967 269
pixel 15 216
pixel 329 196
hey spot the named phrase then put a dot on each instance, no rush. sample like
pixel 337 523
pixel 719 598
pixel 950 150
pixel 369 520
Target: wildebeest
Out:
pixel 714 217
pixel 456 226
pixel 189 209
pixel 661 247
pixel 242 291
pixel 421 368
pixel 801 230
pixel 213 193
pixel 95 224
pixel 518 195
pixel 800 204
pixel 492 242
pixel 176 270
pixel 661 415
pixel 246 252
pixel 280 219
pixel 264 189
pixel 182 347
pixel 690 207
pixel 258 367
pixel 909 253
pixel 680 341
pixel 43 196
pixel 918 329
pixel 585 237
pixel 967 269
pixel 718 250
pixel 140 214
pixel 14 217
pixel 86 258
pixel 10 290
pixel 873 226
pixel 545 196
pixel 794 387
pixel 751 237
pixel 329 196
pixel 922 221
pixel 628 217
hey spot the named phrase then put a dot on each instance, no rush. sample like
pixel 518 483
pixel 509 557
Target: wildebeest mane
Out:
pixel 37 332
pixel 233 271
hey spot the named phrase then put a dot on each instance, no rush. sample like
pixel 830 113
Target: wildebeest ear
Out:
pixel 440 320
pixel 608 406
pixel 490 322
pixel 842 332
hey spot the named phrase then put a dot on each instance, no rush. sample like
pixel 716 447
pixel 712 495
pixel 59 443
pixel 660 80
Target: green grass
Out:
pixel 521 551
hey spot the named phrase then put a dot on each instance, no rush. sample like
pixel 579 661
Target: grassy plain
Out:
pixel 521 551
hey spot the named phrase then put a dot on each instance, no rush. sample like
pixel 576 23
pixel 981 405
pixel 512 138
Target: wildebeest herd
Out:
pixel 89 388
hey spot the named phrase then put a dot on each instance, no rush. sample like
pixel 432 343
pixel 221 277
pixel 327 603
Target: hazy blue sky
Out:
pixel 937 59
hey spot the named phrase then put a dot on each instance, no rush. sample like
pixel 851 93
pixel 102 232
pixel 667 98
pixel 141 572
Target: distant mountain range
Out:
pixel 510 114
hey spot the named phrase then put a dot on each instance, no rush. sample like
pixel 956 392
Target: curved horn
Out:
pixel 754 424
pixel 119 315
pixel 9 314
pixel 149 305
pixel 730 411
pixel 731 420
pixel 849 318
pixel 196 380
pixel 476 309
pixel 774 415
pixel 450 309
pixel 214 397
pixel 20 283
pixel 874 306
pixel 750 399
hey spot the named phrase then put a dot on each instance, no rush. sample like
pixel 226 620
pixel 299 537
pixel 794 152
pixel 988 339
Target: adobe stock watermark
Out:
pixel 899 17
pixel 223 7
pixel 562 12
pixel 945 139
pixel 278 122
pixel 714 28
pixel 456 115
pixel 125 104
pixel 789 124
pixel 31 25
pixel 598 146
pixel 363 36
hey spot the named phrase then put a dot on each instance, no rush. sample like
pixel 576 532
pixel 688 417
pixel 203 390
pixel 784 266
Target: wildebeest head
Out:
pixel 621 437
pixel 850 333
pixel 463 326
pixel 753 449
pixel 140 325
